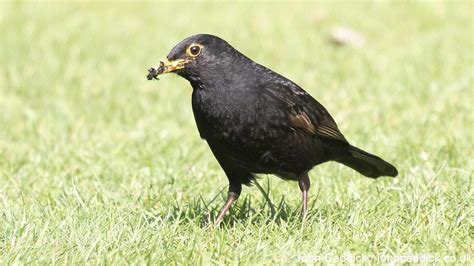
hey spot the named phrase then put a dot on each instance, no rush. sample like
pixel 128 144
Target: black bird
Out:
pixel 257 121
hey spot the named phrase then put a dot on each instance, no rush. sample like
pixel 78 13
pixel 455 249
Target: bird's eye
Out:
pixel 195 50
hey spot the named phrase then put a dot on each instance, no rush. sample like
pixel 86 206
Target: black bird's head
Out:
pixel 198 57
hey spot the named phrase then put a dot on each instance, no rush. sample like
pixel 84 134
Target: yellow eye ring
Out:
pixel 194 50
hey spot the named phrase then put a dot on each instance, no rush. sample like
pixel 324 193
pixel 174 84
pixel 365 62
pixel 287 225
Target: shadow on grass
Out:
pixel 246 210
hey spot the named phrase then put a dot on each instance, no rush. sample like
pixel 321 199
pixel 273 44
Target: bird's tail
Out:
pixel 367 164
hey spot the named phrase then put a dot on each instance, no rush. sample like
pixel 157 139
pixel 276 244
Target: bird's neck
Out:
pixel 226 77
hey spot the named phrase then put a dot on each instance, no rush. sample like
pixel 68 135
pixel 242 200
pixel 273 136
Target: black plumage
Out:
pixel 257 121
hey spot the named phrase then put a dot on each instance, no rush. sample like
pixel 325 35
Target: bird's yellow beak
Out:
pixel 166 66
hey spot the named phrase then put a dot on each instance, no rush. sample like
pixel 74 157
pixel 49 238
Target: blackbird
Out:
pixel 258 122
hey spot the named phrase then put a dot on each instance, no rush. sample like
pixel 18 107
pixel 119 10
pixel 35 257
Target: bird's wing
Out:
pixel 304 112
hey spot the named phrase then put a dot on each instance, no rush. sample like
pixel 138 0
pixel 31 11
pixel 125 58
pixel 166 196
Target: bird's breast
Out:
pixel 224 114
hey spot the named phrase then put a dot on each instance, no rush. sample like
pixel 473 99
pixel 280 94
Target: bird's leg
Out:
pixel 234 193
pixel 304 184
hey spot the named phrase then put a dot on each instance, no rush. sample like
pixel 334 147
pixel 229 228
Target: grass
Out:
pixel 97 165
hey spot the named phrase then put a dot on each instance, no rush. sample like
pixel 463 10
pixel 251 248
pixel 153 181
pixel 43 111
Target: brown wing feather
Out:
pixel 302 121
pixel 306 114
pixel 327 128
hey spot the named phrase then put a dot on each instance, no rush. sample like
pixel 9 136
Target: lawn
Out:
pixel 99 165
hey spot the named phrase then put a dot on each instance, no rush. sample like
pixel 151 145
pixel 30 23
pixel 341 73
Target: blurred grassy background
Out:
pixel 99 165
